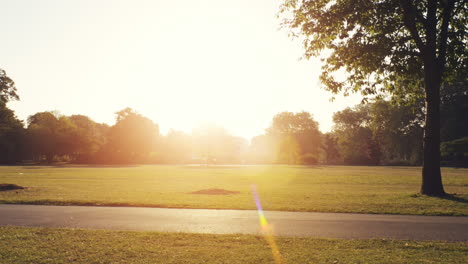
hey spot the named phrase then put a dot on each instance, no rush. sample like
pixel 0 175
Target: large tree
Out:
pixel 388 46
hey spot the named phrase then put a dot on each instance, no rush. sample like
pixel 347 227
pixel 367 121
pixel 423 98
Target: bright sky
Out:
pixel 181 63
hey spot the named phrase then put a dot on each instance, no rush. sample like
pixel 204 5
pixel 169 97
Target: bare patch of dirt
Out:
pixel 215 192
pixel 8 187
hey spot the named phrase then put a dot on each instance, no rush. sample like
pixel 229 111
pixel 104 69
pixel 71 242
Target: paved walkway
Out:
pixel 329 225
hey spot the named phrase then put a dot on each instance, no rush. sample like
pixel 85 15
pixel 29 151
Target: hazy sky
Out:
pixel 180 63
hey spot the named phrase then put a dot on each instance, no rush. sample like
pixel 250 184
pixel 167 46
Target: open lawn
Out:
pixel 291 188
pixel 45 245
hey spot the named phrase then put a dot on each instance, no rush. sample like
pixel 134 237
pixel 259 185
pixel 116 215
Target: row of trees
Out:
pixel 50 137
pixel 378 133
pixel 382 132
pixel 391 132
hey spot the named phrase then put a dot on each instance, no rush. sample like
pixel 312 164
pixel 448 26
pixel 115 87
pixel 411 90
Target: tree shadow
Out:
pixel 453 197
pixel 449 196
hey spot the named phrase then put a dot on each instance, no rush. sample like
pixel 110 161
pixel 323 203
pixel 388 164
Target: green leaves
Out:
pixel 377 43
pixel 7 88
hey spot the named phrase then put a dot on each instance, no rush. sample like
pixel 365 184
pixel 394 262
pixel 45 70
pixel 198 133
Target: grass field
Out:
pixel 43 245
pixel 293 188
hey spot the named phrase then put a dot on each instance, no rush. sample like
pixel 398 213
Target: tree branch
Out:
pixel 420 18
pixel 411 53
pixel 409 20
pixel 446 15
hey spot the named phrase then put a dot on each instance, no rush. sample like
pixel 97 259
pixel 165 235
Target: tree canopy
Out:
pixel 132 138
pixel 381 45
pixel 7 88
pixel 296 138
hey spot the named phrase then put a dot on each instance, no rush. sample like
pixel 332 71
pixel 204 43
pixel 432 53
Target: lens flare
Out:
pixel 266 229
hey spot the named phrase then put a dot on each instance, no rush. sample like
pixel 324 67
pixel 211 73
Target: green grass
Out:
pixel 45 245
pixel 293 188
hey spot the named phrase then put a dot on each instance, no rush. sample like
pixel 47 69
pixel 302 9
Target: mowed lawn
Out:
pixel 44 245
pixel 291 188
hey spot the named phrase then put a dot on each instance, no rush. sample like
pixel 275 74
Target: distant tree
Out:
pixel 263 149
pixel 399 47
pixel 50 135
pixel 289 150
pixel 88 138
pixel 355 138
pixel 454 124
pixel 455 152
pixel 177 148
pixel 40 135
pixel 7 88
pixel 298 137
pixel 398 130
pixel 11 136
pixel 132 138
pixel 453 110
pixel 213 144
pixel 330 148
pixel 11 129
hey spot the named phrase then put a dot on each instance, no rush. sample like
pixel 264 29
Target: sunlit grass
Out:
pixel 46 245
pixel 293 188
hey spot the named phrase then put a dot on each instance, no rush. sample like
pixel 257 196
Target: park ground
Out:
pixel 45 245
pixel 388 190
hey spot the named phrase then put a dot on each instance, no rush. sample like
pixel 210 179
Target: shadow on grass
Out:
pixel 448 197
pixel 453 197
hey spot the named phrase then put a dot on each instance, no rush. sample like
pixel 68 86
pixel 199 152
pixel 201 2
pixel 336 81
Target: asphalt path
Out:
pixel 305 224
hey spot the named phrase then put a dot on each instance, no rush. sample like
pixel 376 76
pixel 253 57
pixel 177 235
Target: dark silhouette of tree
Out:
pixel 50 135
pixel 398 130
pixel 11 129
pixel 88 138
pixel 379 132
pixel 455 152
pixel 7 88
pixel 11 136
pixel 355 138
pixel 331 149
pixel 454 130
pixel 400 47
pixel 453 110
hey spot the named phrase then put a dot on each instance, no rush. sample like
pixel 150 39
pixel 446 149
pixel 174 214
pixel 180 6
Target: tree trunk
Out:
pixel 431 176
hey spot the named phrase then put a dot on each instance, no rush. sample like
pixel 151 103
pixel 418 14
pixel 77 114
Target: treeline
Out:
pixel 376 133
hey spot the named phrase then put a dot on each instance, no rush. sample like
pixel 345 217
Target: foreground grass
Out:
pixel 290 188
pixel 45 245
